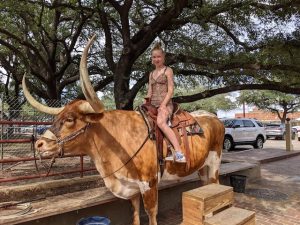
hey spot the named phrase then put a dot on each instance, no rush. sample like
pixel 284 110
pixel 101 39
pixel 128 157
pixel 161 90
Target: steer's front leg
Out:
pixel 150 204
pixel 135 201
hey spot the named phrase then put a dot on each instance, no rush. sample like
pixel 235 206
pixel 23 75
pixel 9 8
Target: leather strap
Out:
pixel 187 148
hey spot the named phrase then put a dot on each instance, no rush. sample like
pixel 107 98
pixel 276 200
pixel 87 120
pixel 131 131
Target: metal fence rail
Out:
pixel 20 126
pixel 38 174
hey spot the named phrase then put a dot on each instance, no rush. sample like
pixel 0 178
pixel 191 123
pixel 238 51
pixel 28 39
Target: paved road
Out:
pixel 281 144
pixel 281 180
pixel 275 197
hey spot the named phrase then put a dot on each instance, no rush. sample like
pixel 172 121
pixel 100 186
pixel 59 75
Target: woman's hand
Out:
pixel 163 108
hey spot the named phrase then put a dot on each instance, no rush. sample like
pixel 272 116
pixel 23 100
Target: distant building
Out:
pixel 266 116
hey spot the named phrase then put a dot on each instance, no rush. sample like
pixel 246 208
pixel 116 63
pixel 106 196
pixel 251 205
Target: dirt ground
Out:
pixel 37 168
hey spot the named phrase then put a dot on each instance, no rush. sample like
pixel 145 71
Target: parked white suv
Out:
pixel 297 130
pixel 243 132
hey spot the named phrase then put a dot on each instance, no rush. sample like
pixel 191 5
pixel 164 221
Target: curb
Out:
pixel 280 157
pixel 41 190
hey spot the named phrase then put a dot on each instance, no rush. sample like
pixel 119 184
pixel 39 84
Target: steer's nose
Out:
pixel 39 144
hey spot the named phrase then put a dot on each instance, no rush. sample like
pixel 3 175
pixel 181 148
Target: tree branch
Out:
pixel 234 38
pixel 275 7
pixel 213 92
pixel 25 43
pixel 100 85
pixel 143 38
pixel 223 66
pixel 108 40
pixel 138 85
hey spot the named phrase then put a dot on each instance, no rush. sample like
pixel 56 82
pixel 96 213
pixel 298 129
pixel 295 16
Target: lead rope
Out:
pixel 47 167
pixel 34 155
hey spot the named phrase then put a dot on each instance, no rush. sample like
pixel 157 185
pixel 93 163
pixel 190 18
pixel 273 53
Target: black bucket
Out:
pixel 238 182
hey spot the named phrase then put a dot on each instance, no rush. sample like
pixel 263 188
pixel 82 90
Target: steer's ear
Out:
pixel 93 117
pixel 90 116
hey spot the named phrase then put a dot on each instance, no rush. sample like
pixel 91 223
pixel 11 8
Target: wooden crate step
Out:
pixel 232 216
pixel 199 202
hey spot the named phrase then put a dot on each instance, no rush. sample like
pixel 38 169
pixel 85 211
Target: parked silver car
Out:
pixel 278 131
pixel 243 132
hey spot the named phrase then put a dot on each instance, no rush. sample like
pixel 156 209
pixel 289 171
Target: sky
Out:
pixel 231 113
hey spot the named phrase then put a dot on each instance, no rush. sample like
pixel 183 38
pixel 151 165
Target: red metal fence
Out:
pixel 19 162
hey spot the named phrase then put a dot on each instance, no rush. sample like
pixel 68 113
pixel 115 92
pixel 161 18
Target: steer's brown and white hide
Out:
pixel 112 139
pixel 118 143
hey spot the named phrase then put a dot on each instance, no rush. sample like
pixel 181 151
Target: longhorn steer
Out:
pixel 117 142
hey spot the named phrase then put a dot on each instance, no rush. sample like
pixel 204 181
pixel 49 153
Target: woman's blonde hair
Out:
pixel 157 46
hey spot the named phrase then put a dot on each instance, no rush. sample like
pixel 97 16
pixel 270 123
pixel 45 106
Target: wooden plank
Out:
pixel 192 210
pixel 62 204
pixel 251 222
pixel 211 198
pixel 208 192
pixel 191 223
pixel 232 216
pixel 217 203
pixel 199 202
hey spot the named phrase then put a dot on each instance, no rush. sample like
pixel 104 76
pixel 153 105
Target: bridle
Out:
pixel 60 142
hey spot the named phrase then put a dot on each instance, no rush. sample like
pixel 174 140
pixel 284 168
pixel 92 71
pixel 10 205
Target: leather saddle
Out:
pixel 182 123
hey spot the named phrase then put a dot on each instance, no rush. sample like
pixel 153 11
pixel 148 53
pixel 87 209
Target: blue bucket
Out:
pixel 94 220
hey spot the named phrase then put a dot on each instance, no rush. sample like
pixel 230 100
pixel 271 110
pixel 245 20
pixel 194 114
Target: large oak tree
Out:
pixel 223 45
pixel 272 101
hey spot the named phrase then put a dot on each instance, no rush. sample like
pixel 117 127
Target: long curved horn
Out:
pixel 36 104
pixel 85 82
pixel 86 108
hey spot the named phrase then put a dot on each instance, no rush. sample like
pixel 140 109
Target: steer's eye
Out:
pixel 69 120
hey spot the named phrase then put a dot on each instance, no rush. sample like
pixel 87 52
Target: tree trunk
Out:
pixel 122 82
pixel 52 90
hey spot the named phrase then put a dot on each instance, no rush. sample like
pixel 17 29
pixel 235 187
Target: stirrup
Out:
pixel 178 157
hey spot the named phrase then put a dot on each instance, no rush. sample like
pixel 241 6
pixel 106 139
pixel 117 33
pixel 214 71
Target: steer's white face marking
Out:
pixel 213 161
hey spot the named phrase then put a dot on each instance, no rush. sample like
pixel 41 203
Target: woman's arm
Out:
pixel 169 95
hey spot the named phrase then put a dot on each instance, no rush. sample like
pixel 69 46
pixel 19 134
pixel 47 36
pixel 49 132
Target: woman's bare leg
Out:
pixel 162 118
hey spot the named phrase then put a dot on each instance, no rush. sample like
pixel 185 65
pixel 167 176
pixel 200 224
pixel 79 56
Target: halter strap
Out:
pixel 61 141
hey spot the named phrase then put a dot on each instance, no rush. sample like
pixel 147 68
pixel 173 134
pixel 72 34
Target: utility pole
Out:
pixel 288 136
